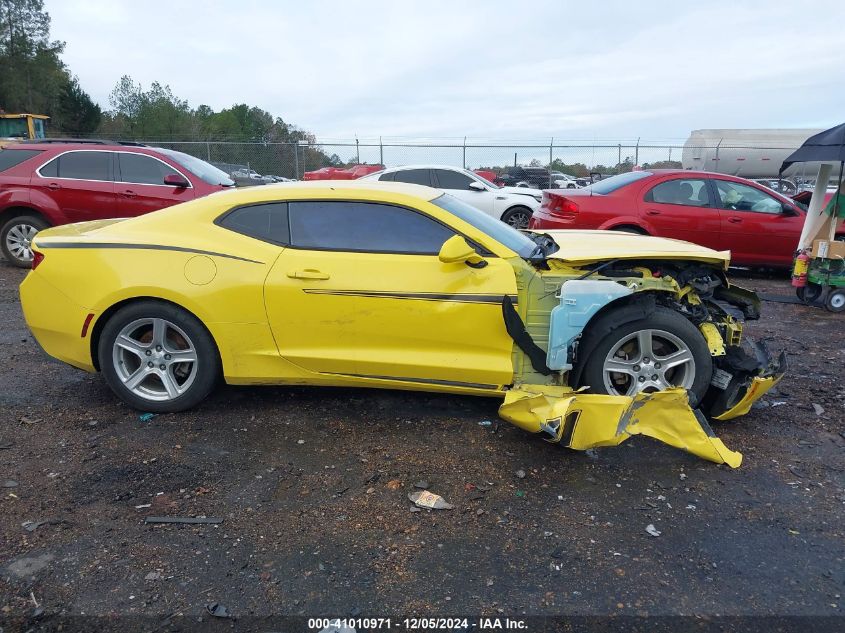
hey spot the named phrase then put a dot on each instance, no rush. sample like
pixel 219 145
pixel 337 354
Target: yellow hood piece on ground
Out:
pixel 582 421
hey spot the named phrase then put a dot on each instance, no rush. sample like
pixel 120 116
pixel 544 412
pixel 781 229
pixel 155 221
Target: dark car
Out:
pixel 537 177
pixel 47 183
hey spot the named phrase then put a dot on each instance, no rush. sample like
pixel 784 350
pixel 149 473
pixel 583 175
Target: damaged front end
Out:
pixel 563 313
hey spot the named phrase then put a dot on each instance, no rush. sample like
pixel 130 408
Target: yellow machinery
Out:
pixel 21 127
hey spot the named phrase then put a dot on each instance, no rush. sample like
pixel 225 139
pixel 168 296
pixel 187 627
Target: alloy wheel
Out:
pixel 155 359
pixel 648 360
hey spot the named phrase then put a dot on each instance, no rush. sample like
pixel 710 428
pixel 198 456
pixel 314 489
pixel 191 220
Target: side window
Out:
pixel 448 179
pixel 739 197
pixel 142 170
pixel 414 176
pixel 691 192
pixel 267 222
pixel 85 165
pixel 51 169
pixel 388 177
pixel 364 226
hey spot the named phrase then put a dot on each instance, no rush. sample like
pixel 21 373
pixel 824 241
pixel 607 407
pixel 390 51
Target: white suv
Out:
pixel 513 205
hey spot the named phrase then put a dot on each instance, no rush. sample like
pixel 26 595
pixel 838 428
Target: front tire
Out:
pixel 16 237
pixel 660 351
pixel 517 217
pixel 157 357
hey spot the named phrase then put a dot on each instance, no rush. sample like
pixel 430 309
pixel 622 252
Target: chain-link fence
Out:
pixel 293 160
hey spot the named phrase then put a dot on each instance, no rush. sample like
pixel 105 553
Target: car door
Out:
pixel 681 208
pixel 139 184
pixel 361 292
pixel 457 184
pixel 81 184
pixel 757 228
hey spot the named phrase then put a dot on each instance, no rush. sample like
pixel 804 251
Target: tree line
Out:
pixel 33 79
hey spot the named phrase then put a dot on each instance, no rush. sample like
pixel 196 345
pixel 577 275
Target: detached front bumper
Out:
pixel 582 421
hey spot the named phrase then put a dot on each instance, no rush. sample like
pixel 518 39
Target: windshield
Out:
pixel 609 185
pixel 518 242
pixel 13 128
pixel 200 168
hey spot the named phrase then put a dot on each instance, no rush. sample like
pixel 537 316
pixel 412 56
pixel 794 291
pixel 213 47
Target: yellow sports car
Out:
pixel 385 285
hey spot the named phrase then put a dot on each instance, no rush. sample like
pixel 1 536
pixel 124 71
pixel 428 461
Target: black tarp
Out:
pixel 825 147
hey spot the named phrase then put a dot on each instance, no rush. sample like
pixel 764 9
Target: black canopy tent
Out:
pixel 824 147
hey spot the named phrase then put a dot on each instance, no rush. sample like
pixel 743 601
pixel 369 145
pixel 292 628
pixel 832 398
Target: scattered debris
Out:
pixel 143 505
pixel 795 471
pixel 31 526
pixel 10 483
pixel 191 520
pixel 26 420
pixel 153 575
pixel 485 423
pixel 422 484
pixel 520 493
pixel 653 531
pixel 558 552
pixel 218 610
pixel 146 417
pixel 819 409
pixel 779 403
pixel 300 441
pixel 520 474
pixel 393 484
pixel 426 499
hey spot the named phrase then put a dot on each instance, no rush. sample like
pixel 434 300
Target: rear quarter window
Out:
pixel 12 157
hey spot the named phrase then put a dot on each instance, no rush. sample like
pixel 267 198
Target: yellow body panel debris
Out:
pixel 713 338
pixel 758 388
pixel 581 421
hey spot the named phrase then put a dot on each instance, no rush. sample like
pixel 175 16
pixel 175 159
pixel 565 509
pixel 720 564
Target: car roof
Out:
pixel 429 166
pixel 47 143
pixel 303 188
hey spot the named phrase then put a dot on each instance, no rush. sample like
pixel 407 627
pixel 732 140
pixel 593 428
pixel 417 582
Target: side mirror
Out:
pixel 456 250
pixel 477 186
pixel 788 210
pixel 175 180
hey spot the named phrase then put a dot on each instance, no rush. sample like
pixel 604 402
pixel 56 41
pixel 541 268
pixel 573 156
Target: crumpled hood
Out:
pixel 581 247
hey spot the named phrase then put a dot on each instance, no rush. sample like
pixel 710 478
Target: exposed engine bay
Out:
pixel 603 341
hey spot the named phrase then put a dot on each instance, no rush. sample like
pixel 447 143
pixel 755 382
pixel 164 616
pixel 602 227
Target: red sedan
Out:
pixel 759 226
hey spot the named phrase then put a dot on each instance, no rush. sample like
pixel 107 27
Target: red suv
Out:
pixel 759 226
pixel 45 183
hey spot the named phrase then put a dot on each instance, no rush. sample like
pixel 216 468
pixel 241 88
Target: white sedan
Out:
pixel 513 205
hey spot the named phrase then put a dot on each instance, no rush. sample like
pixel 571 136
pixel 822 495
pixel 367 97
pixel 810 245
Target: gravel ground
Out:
pixel 312 488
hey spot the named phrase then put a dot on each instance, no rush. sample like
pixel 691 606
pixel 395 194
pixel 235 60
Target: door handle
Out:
pixel 308 273
pixel 652 212
pixel 735 220
pixel 54 186
pixel 128 193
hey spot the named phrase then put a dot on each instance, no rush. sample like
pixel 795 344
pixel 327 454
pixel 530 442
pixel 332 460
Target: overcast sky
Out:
pixel 487 70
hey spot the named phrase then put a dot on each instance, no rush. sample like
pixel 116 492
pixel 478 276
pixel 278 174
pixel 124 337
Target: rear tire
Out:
pixel 678 354
pixel 517 217
pixel 16 239
pixel 835 301
pixel 157 357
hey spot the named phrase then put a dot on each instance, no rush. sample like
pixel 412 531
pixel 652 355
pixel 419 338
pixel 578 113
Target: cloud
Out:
pixel 489 69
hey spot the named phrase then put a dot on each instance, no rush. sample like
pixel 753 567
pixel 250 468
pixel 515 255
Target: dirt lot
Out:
pixel 311 486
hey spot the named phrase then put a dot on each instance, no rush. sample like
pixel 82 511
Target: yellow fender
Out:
pixel 581 421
